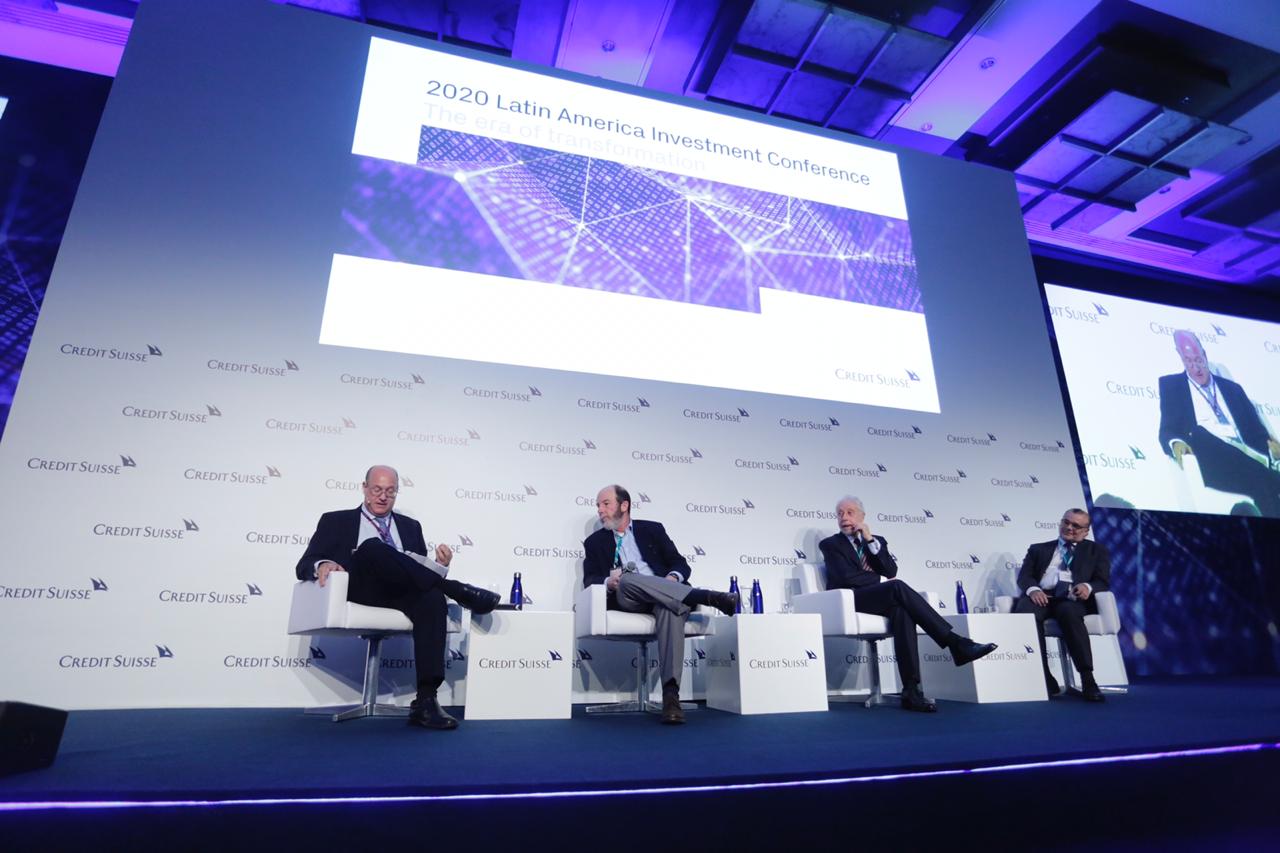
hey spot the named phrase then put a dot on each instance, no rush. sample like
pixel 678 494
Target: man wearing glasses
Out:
pixel 1058 580
pixel 385 555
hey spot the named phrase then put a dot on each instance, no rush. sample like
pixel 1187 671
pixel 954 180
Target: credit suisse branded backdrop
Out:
pixel 250 308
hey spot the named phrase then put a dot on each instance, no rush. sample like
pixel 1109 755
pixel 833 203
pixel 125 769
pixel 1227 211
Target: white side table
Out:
pixel 520 666
pixel 766 663
pixel 1012 673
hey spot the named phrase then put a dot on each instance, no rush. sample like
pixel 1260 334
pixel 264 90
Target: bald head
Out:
pixel 381 485
pixel 1193 356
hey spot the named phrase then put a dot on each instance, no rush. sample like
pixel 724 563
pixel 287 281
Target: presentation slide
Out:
pixel 717 250
pixel 1176 408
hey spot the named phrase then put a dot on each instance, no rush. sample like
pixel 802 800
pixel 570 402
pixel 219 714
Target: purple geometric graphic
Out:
pixel 480 205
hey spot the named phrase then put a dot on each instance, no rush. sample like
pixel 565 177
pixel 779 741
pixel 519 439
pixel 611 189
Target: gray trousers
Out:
pixel 664 598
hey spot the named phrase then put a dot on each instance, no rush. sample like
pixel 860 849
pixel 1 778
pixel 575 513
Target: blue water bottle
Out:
pixel 757 597
pixel 962 601
pixel 736 593
pixel 517 593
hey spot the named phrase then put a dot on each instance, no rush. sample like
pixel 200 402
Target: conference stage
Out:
pixel 959 773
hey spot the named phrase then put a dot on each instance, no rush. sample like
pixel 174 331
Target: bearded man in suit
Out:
pixel 645 573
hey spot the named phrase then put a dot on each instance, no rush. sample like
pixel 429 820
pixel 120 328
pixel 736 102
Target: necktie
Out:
pixel 384 530
pixel 862 557
pixel 617 549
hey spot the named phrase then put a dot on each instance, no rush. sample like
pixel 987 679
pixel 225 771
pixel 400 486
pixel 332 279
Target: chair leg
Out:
pixel 641 702
pixel 875 697
pixel 369 705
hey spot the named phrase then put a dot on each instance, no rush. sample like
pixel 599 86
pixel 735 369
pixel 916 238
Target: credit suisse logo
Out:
pixel 135 355
pixel 134 659
pixel 149 532
pixel 382 383
pixel 53 592
pixel 170 414
pixel 286 367
pixel 503 395
pixel 102 467
pixel 624 407
pixel 716 415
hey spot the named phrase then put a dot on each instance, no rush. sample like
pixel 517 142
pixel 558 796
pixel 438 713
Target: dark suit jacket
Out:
pixel 656 547
pixel 1178 417
pixel 1091 564
pixel 336 534
pixel 843 569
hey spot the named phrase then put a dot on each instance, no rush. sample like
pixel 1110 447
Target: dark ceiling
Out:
pixel 1144 132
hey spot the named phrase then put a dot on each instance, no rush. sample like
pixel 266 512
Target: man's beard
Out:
pixel 612 522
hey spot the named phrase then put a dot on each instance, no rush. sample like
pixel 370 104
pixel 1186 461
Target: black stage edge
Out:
pixel 995 775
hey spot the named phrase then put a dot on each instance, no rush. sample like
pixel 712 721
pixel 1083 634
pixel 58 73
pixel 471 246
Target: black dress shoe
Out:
pixel 672 713
pixel 964 650
pixel 913 699
pixel 428 714
pixel 1090 690
pixel 478 601
pixel 1051 684
pixel 725 602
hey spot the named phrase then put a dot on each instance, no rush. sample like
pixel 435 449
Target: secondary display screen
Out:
pixel 1175 407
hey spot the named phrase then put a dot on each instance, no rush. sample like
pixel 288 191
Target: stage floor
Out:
pixel 228 755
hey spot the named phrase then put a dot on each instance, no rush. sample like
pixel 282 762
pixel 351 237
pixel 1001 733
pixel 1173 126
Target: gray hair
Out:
pixel 851 500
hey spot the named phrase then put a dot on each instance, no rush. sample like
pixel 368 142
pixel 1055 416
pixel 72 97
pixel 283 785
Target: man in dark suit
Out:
pixel 645 573
pixel 857 560
pixel 1058 580
pixel 385 554
pixel 1212 418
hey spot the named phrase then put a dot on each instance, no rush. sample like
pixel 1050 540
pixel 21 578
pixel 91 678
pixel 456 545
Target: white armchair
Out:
pixel 1193 495
pixel 1104 642
pixel 325 611
pixel 592 619
pixel 840 618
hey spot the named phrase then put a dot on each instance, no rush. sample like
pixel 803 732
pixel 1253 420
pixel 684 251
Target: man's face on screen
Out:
pixel 849 516
pixel 1073 527
pixel 380 489
pixel 612 514
pixel 1194 360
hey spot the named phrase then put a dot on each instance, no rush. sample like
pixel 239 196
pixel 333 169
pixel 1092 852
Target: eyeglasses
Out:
pixel 379 491
pixel 1071 525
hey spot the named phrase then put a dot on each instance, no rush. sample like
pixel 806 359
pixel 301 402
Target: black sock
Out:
pixel 698 597
pixel 671 685
pixel 427 690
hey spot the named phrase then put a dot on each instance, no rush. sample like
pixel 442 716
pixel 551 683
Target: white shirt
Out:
pixel 1204 412
pixel 872 545
pixel 1057 571
pixel 369 530
pixel 631 554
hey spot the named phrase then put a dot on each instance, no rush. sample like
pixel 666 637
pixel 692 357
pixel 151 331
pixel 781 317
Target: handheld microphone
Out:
pixel 629 567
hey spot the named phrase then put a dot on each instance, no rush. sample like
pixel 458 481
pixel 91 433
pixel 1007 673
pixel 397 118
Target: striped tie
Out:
pixel 862 557
pixel 384 530
pixel 617 549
